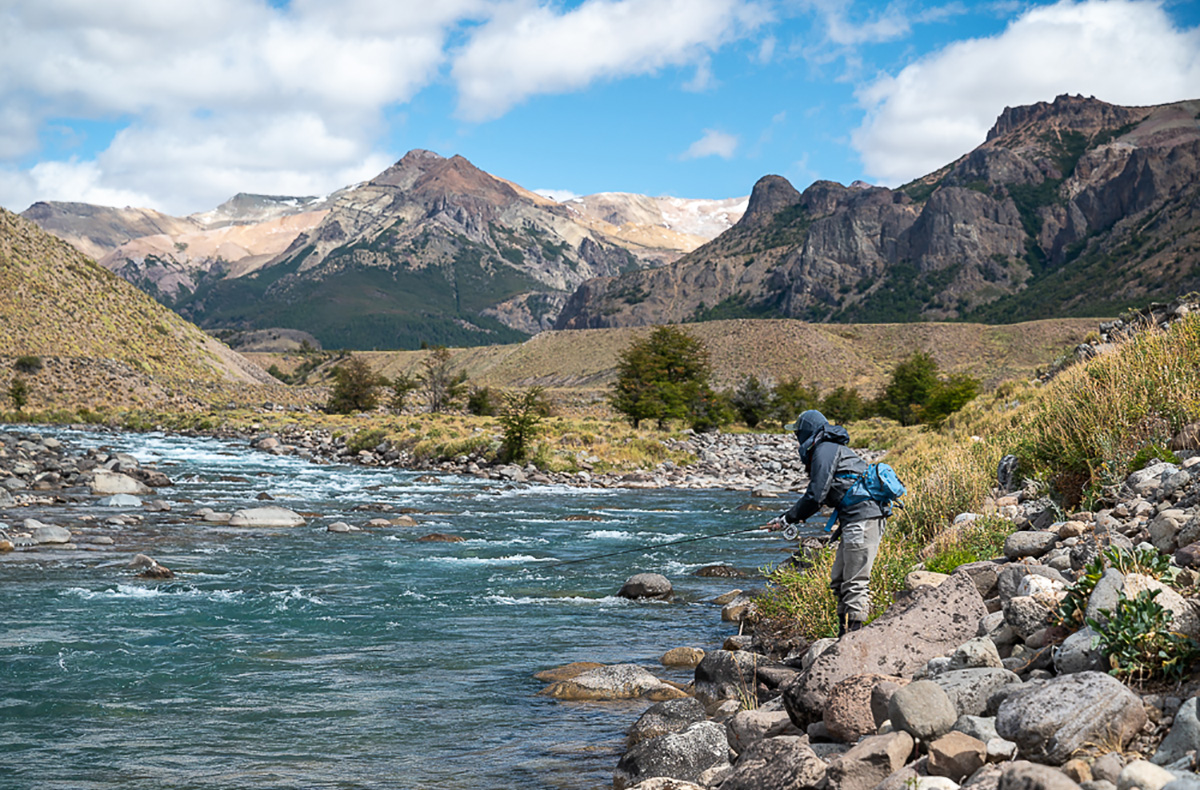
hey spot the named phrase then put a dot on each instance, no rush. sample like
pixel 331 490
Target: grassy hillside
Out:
pixel 824 355
pixel 103 343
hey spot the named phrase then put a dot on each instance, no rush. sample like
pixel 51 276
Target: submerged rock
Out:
pixel 646 585
pixel 616 682
pixel 269 516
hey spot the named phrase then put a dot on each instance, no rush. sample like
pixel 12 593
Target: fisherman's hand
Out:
pixel 777 523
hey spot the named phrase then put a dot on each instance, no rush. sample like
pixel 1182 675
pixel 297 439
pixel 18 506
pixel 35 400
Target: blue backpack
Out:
pixel 878 482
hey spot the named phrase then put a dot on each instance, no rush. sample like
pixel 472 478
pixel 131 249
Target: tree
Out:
pixel 913 382
pixel 791 398
pixel 950 395
pixel 441 384
pixel 843 405
pixel 661 377
pixel 521 417
pixel 480 402
pixel 917 394
pixel 753 402
pixel 354 387
pixel 402 386
pixel 18 392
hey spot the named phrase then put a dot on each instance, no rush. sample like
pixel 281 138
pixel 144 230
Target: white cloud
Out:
pixel 713 143
pixel 1121 51
pixel 887 24
pixel 528 49
pixel 222 96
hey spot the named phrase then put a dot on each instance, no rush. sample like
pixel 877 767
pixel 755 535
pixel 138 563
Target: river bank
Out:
pixel 994 676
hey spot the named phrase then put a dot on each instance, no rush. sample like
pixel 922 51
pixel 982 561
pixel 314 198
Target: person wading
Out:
pixel 832 469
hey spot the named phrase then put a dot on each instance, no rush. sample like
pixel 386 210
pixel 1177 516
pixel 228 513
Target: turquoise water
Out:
pixel 304 659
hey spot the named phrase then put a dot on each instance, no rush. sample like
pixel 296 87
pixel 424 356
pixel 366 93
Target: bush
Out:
pixel 366 440
pixel 521 418
pixel 402 386
pixel 753 402
pixel 662 376
pixel 791 398
pixel 442 386
pixel 1139 643
pixel 480 402
pixel 28 364
pixel 844 405
pixel 354 388
pixel 916 394
pixel 18 392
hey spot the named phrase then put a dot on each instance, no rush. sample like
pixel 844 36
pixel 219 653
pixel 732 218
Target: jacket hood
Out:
pixel 812 428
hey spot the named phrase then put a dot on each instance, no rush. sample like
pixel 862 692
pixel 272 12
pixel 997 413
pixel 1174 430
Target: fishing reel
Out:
pixel 791 532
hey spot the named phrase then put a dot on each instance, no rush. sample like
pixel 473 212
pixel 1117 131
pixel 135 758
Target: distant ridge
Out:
pixel 104 343
pixel 1071 207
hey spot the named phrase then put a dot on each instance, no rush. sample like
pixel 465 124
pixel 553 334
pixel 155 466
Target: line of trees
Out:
pixel 665 375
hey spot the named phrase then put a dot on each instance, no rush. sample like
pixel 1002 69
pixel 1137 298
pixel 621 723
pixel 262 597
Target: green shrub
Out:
pixel 481 402
pixel 28 364
pixel 521 419
pixel 947 561
pixel 355 387
pixel 18 392
pixel 366 440
pixel 1138 642
pixel 1147 455
pixel 752 401
pixel 662 376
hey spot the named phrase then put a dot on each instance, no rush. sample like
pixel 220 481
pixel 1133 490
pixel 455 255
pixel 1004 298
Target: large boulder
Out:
pixel 680 755
pixel 848 714
pixel 1009 579
pixel 871 761
pixel 646 585
pixel 269 516
pixel 619 681
pixel 1029 544
pixel 106 483
pixel 783 763
pixel 970 689
pixel 1050 721
pixel 673 715
pixel 726 674
pixel 932 622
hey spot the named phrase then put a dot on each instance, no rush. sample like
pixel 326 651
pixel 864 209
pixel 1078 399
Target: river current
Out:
pixel 301 658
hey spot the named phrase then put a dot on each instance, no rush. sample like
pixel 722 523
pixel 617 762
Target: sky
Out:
pixel 178 106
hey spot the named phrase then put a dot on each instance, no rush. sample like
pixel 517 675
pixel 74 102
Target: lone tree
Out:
pixel 18 392
pixel 355 387
pixel 521 416
pixel 441 385
pixel 662 376
pixel 402 386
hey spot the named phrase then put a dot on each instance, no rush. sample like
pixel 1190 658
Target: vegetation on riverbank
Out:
pixel 1077 438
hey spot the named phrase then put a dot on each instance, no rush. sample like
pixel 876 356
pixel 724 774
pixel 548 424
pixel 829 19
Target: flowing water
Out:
pixel 300 658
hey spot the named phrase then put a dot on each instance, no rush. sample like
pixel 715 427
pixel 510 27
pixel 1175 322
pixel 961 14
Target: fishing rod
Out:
pixel 652 546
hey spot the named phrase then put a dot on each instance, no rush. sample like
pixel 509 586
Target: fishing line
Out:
pixel 651 547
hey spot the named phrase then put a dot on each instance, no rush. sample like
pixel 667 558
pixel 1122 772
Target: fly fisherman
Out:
pixel 832 469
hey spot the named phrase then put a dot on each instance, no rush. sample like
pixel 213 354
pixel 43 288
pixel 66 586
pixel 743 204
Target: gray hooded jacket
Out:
pixel 831 465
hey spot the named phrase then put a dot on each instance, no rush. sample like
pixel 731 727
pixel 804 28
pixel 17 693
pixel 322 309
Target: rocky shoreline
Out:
pixel 969 680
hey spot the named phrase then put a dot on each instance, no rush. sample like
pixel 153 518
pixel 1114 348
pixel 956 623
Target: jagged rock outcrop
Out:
pixel 1068 207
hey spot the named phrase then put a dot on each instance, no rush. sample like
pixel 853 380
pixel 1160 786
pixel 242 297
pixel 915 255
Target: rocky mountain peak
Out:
pixel 770 195
pixel 1074 113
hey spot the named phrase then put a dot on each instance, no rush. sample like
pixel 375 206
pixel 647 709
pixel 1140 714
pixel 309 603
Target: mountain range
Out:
pixel 432 250
pixel 1074 207
pixel 1071 207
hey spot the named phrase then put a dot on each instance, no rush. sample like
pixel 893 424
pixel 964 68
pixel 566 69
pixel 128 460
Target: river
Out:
pixel 301 658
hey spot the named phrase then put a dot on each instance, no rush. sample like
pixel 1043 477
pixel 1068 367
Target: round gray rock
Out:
pixel 1029 544
pixel 923 710
pixel 673 715
pixel 646 585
